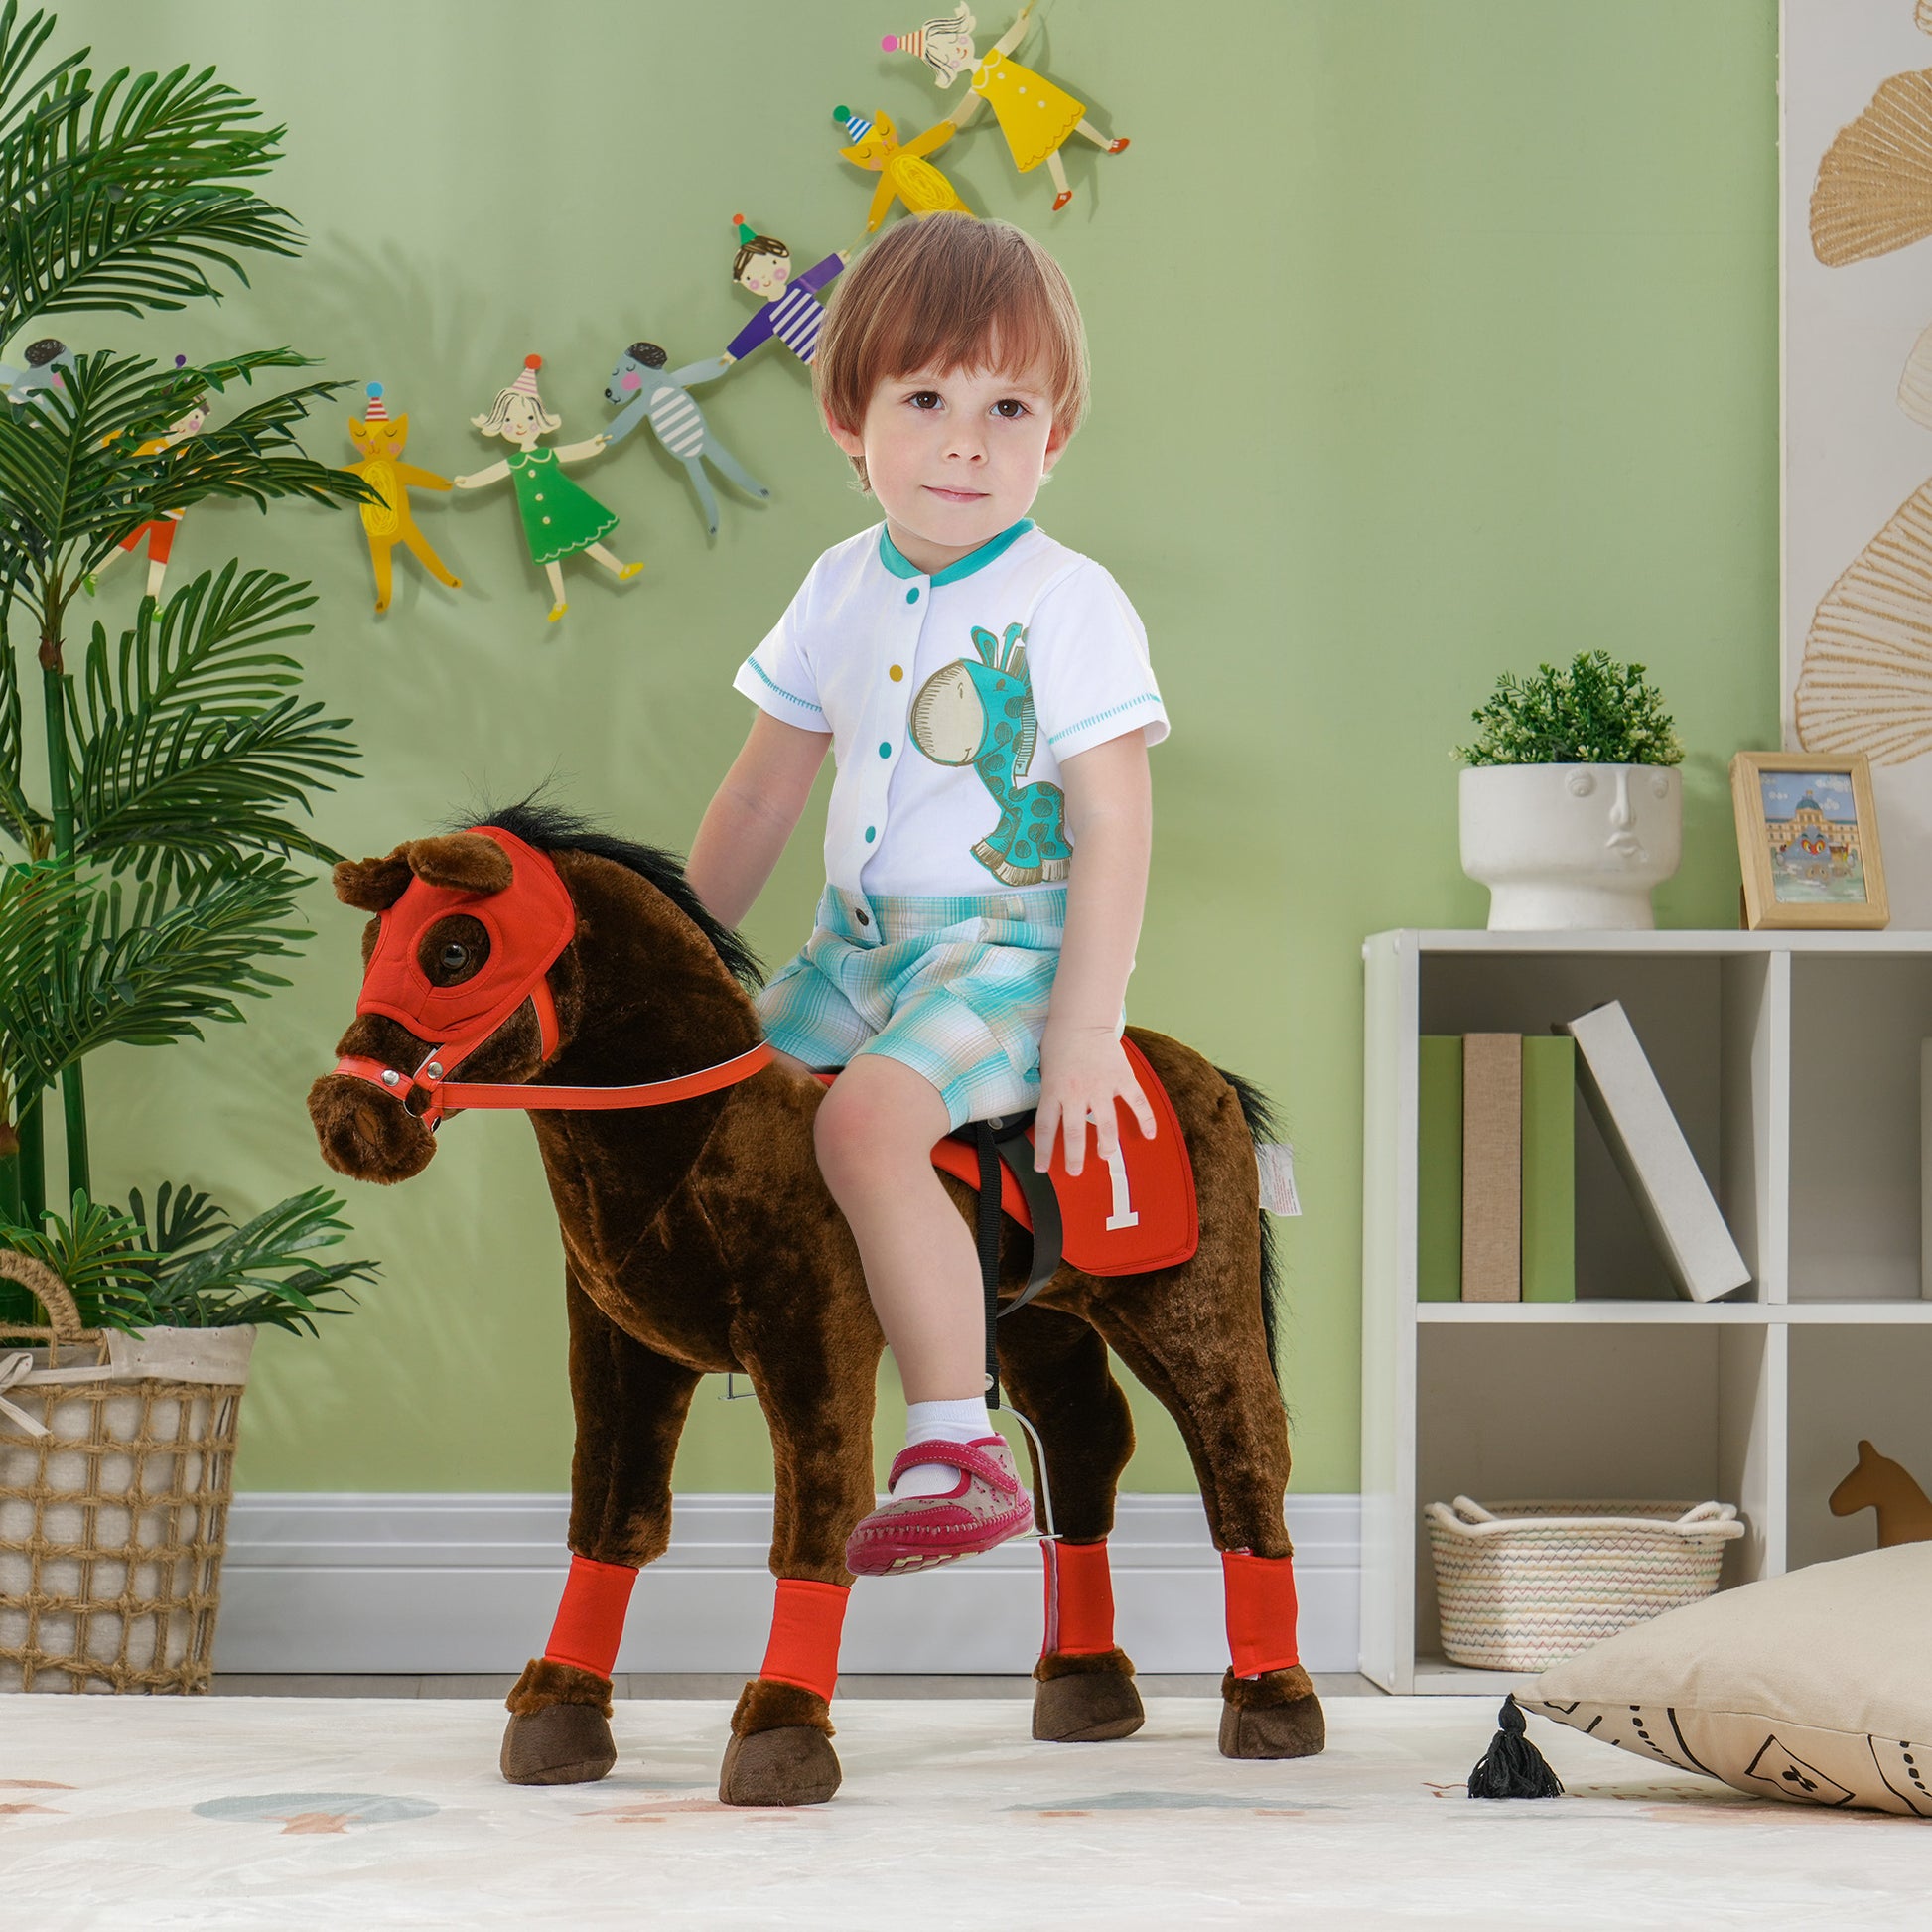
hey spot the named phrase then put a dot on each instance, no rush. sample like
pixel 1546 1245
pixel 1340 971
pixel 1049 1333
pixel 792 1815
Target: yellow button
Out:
pixel 896 673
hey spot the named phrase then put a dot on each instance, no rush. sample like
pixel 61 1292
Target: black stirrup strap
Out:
pixel 994 1140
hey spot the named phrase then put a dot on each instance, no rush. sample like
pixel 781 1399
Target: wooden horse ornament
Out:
pixel 577 975
pixel 1904 1509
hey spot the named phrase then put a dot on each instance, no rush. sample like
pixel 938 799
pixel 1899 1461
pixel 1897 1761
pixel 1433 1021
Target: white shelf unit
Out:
pixel 1792 1063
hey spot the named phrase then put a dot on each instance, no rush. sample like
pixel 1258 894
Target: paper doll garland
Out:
pixel 159 532
pixel 379 440
pixel 560 518
pixel 649 393
pixel 905 173
pixel 43 367
pixel 792 312
pixel 1036 117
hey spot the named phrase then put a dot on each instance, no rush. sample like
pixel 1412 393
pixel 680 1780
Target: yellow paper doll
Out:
pixel 380 438
pixel 905 173
pixel 1036 117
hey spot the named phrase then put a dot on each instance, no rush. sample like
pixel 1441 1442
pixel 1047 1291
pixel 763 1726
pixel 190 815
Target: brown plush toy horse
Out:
pixel 699 1238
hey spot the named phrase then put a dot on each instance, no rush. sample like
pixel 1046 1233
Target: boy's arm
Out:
pixel 752 815
pixel 1082 1066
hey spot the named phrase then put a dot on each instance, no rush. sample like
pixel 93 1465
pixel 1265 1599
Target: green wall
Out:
pixel 1429 336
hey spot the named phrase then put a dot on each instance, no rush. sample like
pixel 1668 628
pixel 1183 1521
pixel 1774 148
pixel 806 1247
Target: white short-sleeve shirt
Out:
pixel 952 698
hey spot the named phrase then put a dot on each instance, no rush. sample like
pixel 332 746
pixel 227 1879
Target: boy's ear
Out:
pixel 848 440
pixel 1057 437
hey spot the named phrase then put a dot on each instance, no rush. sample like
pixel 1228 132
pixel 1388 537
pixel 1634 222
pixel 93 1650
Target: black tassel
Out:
pixel 1513 1768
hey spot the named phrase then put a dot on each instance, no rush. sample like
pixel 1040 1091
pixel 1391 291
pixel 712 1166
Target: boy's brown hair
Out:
pixel 950 292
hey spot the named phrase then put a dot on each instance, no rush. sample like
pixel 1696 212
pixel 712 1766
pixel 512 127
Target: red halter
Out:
pixel 529 922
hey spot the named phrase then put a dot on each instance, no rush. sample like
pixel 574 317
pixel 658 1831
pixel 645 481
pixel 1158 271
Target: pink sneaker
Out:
pixel 920 1532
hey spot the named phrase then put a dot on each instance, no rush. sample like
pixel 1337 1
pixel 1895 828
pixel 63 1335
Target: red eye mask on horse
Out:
pixel 529 919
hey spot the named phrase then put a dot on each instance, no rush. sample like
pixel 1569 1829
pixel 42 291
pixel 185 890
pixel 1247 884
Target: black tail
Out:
pixel 1262 1126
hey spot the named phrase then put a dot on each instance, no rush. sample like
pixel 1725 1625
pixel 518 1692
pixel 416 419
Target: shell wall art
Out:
pixel 1857 109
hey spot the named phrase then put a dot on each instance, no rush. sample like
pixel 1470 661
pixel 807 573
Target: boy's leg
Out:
pixel 875 1133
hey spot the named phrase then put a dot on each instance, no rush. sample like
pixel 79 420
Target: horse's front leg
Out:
pixel 631 1405
pixel 815 1381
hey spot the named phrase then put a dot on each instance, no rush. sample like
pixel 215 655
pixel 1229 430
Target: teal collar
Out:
pixel 899 565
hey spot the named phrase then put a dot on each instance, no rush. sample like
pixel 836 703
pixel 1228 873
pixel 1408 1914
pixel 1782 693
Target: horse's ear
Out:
pixel 372 885
pixel 466 860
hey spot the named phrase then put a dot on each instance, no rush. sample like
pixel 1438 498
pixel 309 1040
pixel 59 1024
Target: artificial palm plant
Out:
pixel 159 870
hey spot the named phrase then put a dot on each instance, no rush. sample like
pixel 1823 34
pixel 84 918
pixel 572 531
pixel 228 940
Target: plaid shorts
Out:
pixel 956 989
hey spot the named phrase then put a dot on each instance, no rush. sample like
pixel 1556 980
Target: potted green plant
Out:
pixel 160 851
pixel 1572 804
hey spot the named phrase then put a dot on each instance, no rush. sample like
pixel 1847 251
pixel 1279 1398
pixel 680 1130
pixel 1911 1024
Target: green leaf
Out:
pixel 219 1276
pixel 151 970
pixel 188 749
pixel 19 819
pixel 1595 712
pixel 100 1252
pixel 124 196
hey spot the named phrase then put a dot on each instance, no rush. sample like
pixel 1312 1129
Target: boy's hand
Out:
pixel 1082 1072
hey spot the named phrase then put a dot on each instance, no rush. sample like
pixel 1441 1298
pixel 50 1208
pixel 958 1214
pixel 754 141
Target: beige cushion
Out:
pixel 1815 1686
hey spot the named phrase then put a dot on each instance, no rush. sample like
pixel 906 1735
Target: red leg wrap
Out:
pixel 1079 1598
pixel 806 1623
pixel 1261 1612
pixel 589 1619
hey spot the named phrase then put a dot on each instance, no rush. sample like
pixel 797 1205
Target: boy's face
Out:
pixel 954 455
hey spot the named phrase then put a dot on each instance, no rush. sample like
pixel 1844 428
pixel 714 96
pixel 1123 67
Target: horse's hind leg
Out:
pixel 631 1404
pixel 1194 1339
pixel 1056 1370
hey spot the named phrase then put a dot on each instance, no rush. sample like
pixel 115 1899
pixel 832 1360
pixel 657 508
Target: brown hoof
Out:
pixel 1273 1716
pixel 795 1765
pixel 1085 1699
pixel 563 1743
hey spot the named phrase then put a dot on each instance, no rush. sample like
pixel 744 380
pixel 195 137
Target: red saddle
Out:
pixel 1124 1218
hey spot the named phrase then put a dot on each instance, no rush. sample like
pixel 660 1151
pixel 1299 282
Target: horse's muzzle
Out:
pixel 367 1134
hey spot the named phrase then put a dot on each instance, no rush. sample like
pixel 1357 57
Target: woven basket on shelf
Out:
pixel 116 1466
pixel 1526 1584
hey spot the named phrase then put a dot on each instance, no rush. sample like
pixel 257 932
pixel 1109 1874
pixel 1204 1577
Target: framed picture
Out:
pixel 1808 840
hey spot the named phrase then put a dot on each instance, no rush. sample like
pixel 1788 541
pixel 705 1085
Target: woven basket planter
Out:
pixel 1527 1585
pixel 116 1468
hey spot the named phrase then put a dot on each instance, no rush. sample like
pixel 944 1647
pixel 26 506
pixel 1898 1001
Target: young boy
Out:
pixel 987 696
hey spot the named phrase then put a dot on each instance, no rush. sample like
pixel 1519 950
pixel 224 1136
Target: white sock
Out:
pixel 965 1421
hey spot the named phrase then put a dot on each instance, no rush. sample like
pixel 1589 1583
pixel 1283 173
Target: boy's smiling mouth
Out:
pixel 948 495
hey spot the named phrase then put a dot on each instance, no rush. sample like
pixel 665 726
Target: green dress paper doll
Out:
pixel 559 518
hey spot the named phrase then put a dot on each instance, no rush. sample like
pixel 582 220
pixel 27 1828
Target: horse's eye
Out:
pixel 455 957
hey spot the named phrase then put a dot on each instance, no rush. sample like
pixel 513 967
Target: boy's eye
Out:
pixel 1010 407
pixel 924 399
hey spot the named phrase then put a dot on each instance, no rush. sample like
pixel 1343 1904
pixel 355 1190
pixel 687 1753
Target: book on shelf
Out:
pixel 1549 1169
pixel 1492 1167
pixel 1539 1181
pixel 1655 1158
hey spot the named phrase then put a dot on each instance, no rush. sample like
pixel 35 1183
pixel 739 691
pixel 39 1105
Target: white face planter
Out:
pixel 1563 846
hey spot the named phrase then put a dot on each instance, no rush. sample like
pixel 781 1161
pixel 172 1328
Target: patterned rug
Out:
pixel 338 1815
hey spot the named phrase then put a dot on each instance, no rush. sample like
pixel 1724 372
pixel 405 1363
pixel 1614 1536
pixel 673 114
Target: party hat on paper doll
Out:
pixel 747 234
pixel 856 125
pixel 912 44
pixel 377 411
pixel 526 379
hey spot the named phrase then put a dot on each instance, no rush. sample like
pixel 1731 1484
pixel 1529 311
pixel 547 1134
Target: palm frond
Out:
pixel 183 1218
pixel 99 1251
pixel 152 967
pixel 42 905
pixel 257 1273
pixel 187 748
pixel 124 195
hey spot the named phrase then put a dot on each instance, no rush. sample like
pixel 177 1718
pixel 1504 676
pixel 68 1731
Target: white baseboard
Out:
pixel 469 1582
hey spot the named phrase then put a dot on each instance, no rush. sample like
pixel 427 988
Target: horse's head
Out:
pixel 467 925
pixel 1864 1487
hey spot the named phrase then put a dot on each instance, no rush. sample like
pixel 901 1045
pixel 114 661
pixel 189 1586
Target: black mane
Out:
pixel 552 829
